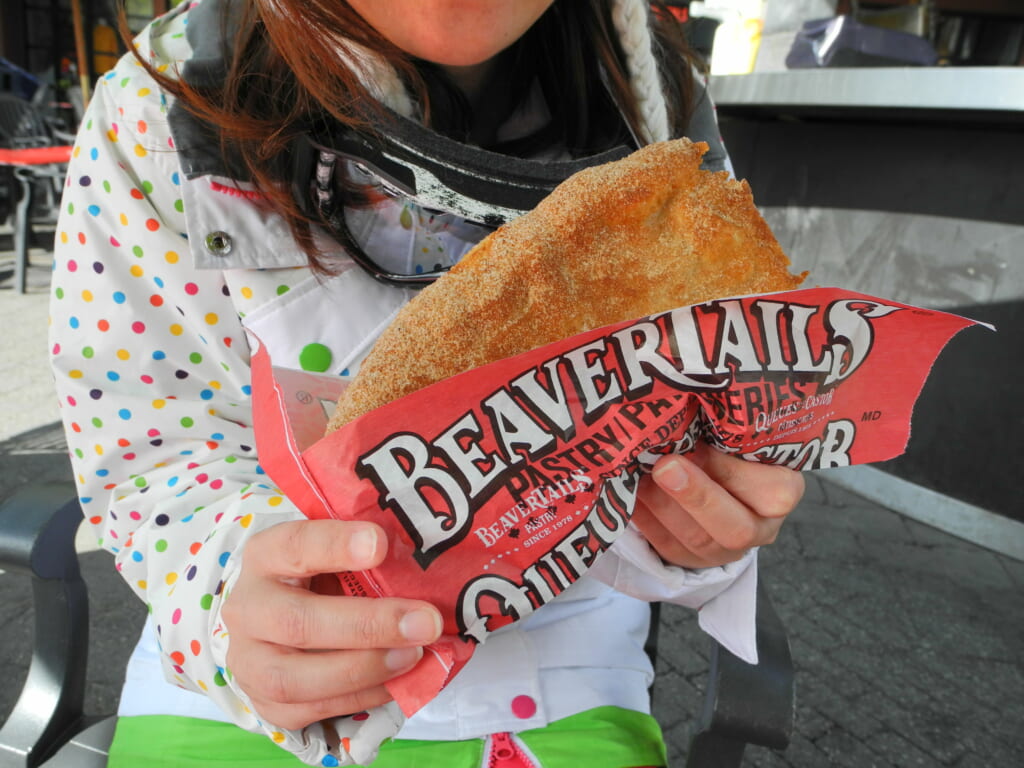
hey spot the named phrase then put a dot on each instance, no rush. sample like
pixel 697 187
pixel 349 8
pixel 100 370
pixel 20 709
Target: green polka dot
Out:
pixel 71 207
pixel 87 352
pixel 195 357
pixel 161 545
pixel 219 681
pixel 140 482
pixel 147 187
pixel 230 459
pixel 179 206
pixel 106 186
pixel 315 357
pixel 187 422
pixel 137 250
pixel 206 602
pixel 282 290
pixel 59 293
pixel 97 422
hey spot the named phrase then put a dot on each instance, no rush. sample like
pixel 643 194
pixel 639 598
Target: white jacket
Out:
pixel 156 278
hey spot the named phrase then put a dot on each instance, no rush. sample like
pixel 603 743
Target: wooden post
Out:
pixel 80 49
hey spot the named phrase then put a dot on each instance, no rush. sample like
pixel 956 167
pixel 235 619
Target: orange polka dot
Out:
pixel 142 126
pixel 152 225
pixel 195 647
pixel 178 658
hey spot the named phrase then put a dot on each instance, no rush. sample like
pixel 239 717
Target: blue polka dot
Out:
pixel 125 414
pixel 330 761
pixel 73 322
pixel 159 355
pixel 206 394
pixel 175 179
pixel 94 153
pixel 223 559
pixel 102 472
pixel 94 210
pixel 137 557
pixel 172 482
pixel 216 436
pixel 119 297
pixel 159 282
pixel 246 389
pixel 113 375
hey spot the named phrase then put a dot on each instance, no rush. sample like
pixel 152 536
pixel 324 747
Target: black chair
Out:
pixel 33 162
pixel 744 703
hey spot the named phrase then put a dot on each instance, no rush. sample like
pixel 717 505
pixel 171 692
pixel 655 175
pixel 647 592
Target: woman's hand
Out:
pixel 301 650
pixel 708 508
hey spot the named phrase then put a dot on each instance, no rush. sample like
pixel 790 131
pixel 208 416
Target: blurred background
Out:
pixel 884 143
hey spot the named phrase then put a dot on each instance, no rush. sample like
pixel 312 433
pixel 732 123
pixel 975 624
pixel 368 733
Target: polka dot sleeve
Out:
pixel 151 367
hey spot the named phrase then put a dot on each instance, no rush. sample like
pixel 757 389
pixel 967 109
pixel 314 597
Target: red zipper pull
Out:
pixel 506 753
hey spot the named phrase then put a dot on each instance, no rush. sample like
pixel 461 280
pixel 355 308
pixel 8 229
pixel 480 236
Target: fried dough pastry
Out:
pixel 645 234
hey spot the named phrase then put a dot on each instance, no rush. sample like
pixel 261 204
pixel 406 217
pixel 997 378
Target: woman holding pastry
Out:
pixel 297 169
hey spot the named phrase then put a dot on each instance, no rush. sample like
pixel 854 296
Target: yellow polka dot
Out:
pixel 112 135
pixel 275 501
pixel 99 449
pixel 86 295
pixel 170 578
pixel 75 152
pixel 176 329
pixel 158 404
pixel 277 736
pixel 162 68
pixel 142 583
pixel 123 354
pixel 124 220
pixel 63 237
pixel 202 685
pixel 75 374
pixel 247 292
pixel 171 257
pixel 140 150
pixel 246 521
pixel 214 384
pixel 144 91
pixel 211 318
pixel 136 270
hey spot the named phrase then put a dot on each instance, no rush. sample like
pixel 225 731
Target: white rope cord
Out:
pixel 632 23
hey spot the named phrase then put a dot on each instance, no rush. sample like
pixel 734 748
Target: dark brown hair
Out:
pixel 284 74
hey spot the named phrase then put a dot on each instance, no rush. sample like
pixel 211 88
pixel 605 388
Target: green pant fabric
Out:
pixel 605 737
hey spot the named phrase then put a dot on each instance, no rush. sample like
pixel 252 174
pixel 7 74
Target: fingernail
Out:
pixel 420 626
pixel 402 658
pixel 362 544
pixel 671 474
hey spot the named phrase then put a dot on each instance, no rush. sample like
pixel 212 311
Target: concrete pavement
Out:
pixel 907 640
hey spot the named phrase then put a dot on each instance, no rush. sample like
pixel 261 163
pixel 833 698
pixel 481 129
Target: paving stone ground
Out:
pixel 907 641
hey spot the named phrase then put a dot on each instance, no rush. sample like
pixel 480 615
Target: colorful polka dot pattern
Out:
pixel 152 370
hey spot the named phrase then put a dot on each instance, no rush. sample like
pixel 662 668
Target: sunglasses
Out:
pixel 348 180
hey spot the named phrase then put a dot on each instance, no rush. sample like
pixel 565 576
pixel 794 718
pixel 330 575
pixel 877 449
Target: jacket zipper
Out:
pixel 506 753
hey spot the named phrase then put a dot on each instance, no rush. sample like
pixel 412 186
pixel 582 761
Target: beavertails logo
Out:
pixel 599 411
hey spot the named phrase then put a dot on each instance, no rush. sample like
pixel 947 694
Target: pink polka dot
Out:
pixel 216 484
pixel 524 707
pixel 191 289
pixel 72 265
pixel 153 432
pixel 202 477
pixel 176 616
pixel 139 327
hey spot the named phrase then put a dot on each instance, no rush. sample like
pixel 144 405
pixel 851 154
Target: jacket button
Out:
pixel 218 243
